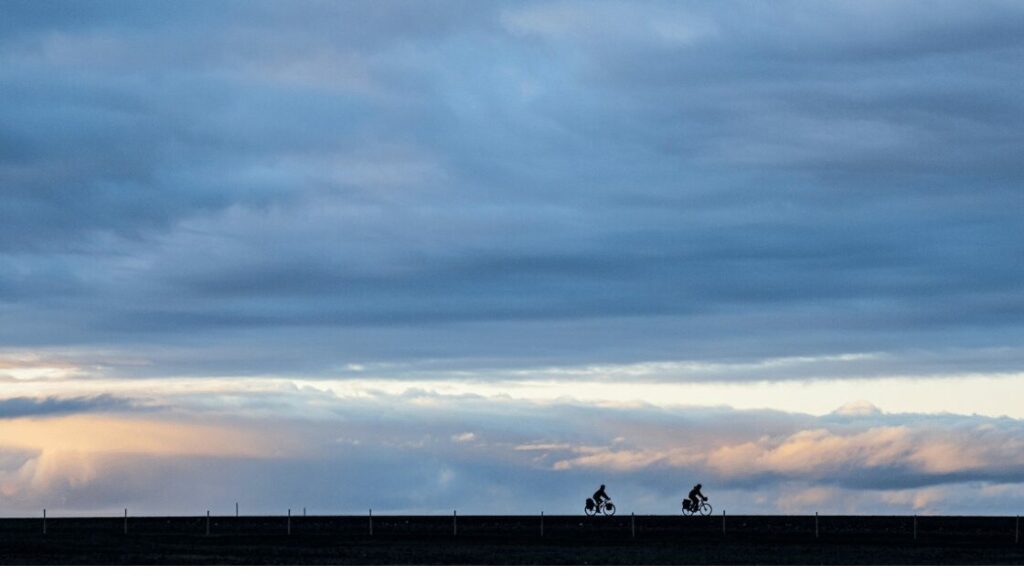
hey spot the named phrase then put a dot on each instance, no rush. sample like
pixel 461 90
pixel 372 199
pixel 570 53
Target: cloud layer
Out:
pixel 551 183
pixel 571 204
pixel 426 452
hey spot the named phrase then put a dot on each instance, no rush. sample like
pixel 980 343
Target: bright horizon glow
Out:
pixel 992 395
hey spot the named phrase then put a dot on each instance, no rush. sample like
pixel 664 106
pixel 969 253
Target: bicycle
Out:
pixel 606 507
pixel 689 508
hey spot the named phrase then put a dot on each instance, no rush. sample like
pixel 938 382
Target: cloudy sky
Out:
pixel 484 255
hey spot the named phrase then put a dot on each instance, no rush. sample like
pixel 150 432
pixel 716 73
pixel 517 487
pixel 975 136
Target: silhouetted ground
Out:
pixel 512 540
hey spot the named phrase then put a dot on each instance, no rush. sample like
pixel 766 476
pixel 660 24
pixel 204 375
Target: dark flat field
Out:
pixel 512 540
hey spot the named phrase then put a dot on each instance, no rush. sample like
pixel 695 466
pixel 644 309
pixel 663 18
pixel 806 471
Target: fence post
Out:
pixel 541 523
pixel 915 526
pixel 632 524
pixel 455 523
pixel 303 511
pixel 44 521
pixel 815 524
pixel 236 509
pixel 371 521
pixel 723 521
pixel 125 520
pixel 207 522
pixel 1016 528
pixel 289 521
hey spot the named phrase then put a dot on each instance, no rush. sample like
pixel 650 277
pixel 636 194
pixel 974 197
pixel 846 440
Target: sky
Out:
pixel 489 255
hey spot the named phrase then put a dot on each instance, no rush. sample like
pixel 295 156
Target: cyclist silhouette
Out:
pixel 600 503
pixel 696 496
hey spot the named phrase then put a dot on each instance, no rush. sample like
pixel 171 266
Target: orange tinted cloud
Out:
pixel 820 452
pixel 70 450
pixel 105 434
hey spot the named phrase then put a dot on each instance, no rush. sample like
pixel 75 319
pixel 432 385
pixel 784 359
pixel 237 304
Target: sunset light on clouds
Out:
pixel 465 254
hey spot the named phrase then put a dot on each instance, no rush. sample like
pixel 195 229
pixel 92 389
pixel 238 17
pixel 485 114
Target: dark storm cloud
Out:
pixel 524 183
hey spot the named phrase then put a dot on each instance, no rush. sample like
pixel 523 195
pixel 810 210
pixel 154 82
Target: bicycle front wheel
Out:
pixel 609 509
pixel 705 509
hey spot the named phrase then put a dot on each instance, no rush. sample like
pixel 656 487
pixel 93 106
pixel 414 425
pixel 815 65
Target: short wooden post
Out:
pixel 455 522
pixel 289 521
pixel 371 521
pixel 1016 528
pixel 303 511
pixel 815 524
pixel 44 521
pixel 207 522
pixel 723 521
pixel 632 524
pixel 236 509
pixel 125 520
pixel 541 523
pixel 915 526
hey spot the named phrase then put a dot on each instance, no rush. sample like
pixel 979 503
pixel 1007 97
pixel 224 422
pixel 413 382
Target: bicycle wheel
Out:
pixel 687 511
pixel 609 509
pixel 705 509
pixel 589 510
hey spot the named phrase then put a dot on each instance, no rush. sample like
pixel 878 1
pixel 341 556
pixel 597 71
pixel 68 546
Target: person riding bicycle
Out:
pixel 696 497
pixel 600 497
